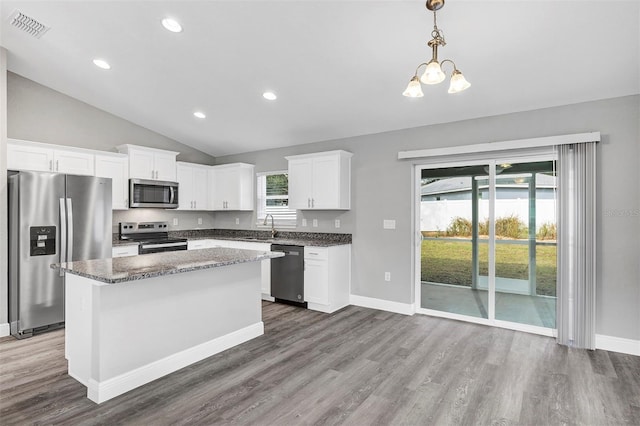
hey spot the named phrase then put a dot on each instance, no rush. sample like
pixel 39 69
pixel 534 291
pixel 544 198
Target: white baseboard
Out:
pixel 100 392
pixel 5 330
pixel 383 305
pixel 618 344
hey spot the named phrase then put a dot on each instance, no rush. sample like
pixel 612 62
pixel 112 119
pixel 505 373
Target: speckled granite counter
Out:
pixel 316 239
pixel 144 266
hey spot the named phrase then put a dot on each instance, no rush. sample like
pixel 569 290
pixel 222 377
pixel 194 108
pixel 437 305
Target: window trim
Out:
pixel 260 206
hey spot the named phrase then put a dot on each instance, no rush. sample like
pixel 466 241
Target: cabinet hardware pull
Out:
pixel 57 165
pixel 313 202
pixel 308 202
pixel 51 165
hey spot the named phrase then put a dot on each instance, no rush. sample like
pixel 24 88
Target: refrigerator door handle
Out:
pixel 70 230
pixel 63 234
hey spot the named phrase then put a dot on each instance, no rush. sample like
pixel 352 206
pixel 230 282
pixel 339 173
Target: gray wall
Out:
pixel 382 190
pixel 38 113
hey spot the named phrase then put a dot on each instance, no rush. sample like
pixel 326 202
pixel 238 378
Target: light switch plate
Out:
pixel 199 221
pixel 175 221
pixel 315 223
pixel 389 224
pixel 304 222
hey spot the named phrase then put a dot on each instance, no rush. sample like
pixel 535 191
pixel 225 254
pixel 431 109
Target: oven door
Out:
pixel 153 194
pixel 146 248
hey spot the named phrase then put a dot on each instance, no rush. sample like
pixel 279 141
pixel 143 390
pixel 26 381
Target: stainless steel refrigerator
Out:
pixel 53 218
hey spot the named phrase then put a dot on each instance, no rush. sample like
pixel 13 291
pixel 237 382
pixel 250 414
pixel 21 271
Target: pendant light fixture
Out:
pixel 433 73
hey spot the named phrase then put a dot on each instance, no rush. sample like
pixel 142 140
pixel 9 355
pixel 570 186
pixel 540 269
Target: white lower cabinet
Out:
pixel 327 277
pixel 265 282
pixel 122 251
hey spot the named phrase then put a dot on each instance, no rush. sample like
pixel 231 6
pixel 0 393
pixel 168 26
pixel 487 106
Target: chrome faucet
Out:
pixel 273 229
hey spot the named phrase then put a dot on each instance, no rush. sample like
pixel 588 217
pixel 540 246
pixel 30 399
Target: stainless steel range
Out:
pixel 152 237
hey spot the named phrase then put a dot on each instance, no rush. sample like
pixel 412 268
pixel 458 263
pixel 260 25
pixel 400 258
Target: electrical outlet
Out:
pixel 337 223
pixel 237 221
pixel 315 223
pixel 387 276
pixel 175 221
pixel 199 221
pixel 304 222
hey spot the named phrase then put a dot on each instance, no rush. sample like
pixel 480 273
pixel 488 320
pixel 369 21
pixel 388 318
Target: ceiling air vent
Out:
pixel 27 24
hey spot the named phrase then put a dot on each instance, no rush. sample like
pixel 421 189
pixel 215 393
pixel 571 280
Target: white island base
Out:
pixel 121 336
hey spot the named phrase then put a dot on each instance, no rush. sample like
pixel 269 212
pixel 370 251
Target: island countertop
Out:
pixel 131 268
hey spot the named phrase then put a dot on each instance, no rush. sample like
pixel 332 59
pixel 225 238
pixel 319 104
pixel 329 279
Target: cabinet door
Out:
pixel 29 158
pixel 325 183
pixel 225 183
pixel 115 168
pixel 73 163
pixel 185 188
pixel 316 281
pixel 300 183
pixel 165 166
pixel 200 188
pixel 141 164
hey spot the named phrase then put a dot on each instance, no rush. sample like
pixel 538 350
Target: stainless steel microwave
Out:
pixel 153 194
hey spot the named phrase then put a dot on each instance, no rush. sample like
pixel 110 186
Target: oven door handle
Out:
pixel 162 245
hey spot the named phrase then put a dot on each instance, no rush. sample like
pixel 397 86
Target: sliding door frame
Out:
pixel 515 156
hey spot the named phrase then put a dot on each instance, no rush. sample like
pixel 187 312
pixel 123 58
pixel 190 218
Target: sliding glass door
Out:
pixel 487 248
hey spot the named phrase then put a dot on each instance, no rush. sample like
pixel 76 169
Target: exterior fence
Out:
pixel 437 215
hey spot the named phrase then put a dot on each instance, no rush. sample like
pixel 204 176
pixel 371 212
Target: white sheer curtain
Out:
pixel 576 289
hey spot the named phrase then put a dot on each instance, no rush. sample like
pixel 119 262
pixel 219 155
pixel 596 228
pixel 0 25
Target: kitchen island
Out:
pixel 134 319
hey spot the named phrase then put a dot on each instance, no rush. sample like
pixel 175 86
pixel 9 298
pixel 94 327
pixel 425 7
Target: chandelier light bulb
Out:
pixel 433 73
pixel 413 90
pixel 458 82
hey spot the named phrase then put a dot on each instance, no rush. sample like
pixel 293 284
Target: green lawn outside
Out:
pixel 449 262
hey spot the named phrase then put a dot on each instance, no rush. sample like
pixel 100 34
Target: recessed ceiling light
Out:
pixel 270 96
pixel 199 114
pixel 101 63
pixel 172 25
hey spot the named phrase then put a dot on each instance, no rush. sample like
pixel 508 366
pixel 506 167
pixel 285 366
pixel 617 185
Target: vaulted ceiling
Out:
pixel 338 67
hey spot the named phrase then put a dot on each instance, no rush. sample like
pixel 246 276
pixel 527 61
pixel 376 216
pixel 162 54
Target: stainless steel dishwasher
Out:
pixel 287 275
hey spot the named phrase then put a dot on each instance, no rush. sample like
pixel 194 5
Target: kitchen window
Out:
pixel 273 198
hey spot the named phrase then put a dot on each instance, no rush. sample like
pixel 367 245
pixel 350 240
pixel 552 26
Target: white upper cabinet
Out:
pixel 193 189
pixel 320 181
pixel 116 167
pixel 150 163
pixel 25 155
pixel 231 187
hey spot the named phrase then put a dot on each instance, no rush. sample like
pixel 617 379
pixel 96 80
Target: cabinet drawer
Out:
pixel 122 251
pixel 321 253
pixel 200 244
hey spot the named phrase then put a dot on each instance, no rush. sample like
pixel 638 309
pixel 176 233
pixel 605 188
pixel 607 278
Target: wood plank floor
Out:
pixel 355 367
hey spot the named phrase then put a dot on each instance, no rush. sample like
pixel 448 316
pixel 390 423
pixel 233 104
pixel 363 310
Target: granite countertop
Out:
pixel 131 268
pixel 315 239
